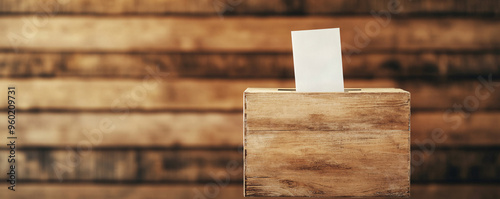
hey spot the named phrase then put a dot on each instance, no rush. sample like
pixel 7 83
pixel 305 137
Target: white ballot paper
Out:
pixel 317 60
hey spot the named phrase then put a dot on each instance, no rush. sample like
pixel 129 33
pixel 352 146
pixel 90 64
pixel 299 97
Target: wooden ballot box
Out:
pixel 352 143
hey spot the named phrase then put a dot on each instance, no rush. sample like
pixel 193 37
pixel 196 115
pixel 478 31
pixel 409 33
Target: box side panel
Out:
pixel 244 143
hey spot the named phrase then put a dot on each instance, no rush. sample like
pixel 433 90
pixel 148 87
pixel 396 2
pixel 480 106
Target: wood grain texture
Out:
pixel 255 7
pixel 127 191
pixel 152 93
pixel 423 7
pixel 448 94
pixel 455 130
pixel 211 130
pixel 354 143
pixel 124 95
pixel 145 165
pixel 240 34
pixel 73 165
pixel 243 65
pixel 188 94
pixel 382 109
pixel 126 165
pixel 198 166
pixel 455 165
pixel 327 163
pixel 86 63
pixel 215 130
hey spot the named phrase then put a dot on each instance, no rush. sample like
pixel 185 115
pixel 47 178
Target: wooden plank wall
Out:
pixel 143 98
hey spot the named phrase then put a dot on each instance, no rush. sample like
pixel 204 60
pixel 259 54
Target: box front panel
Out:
pixel 327 144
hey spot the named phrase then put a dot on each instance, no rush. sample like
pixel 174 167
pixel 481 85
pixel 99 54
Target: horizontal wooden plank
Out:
pixel 154 92
pixel 368 109
pixel 264 7
pixel 327 163
pixel 422 7
pixel 125 165
pixel 135 129
pixel 457 129
pixel 455 165
pixel 122 95
pixel 220 129
pixel 221 191
pixel 243 65
pixel 240 34
pixel 455 96
pixel 199 165
pixel 190 166
pixel 72 164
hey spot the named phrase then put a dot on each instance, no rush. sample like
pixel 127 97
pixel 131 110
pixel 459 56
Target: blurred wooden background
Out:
pixel 144 98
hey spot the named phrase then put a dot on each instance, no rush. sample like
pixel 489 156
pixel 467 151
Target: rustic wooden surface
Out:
pixel 231 191
pixel 353 143
pixel 285 110
pixel 327 163
pixel 443 165
pixel 189 94
pixel 216 129
pixel 243 34
pixel 235 65
pixel 90 53
pixel 256 7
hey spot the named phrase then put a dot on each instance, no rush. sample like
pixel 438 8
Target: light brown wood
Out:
pixel 126 165
pixel 445 95
pixel 133 191
pixel 270 109
pixel 121 95
pixel 212 129
pixel 242 65
pixel 129 130
pixel 93 52
pixel 198 166
pixel 455 130
pixel 124 95
pixel 327 163
pixel 67 165
pixel 255 7
pixel 354 143
pixel 240 34
pixel 184 165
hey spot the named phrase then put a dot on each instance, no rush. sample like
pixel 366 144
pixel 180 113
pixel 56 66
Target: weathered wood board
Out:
pixel 236 65
pixel 163 165
pixel 190 94
pixel 255 7
pixel 239 34
pixel 223 129
pixel 222 191
pixel 355 143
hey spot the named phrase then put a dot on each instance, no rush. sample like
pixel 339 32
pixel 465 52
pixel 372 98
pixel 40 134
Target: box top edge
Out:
pixel 347 90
